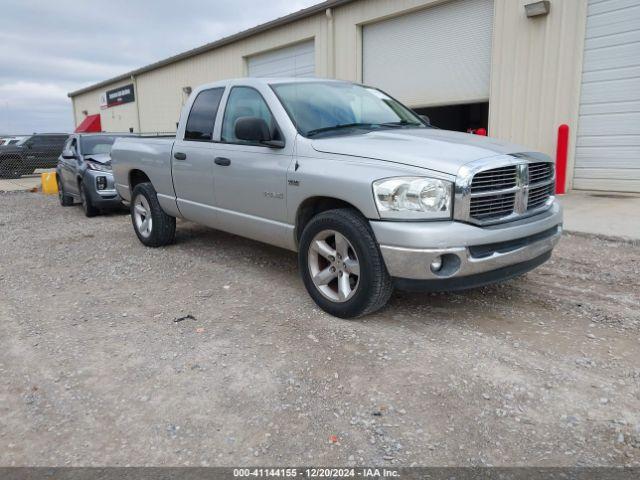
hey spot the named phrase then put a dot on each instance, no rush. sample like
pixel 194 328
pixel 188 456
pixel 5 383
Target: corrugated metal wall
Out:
pixel 535 67
pixel 608 144
pixel 535 75
pixel 297 60
pixel 114 119
pixel 447 47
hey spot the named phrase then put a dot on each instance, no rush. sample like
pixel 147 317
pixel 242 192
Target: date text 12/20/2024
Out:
pixel 316 472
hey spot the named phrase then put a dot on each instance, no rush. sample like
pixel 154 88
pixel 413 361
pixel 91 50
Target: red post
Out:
pixel 561 158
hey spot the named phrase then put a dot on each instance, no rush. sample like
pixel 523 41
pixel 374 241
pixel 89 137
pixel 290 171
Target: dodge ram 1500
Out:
pixel 366 191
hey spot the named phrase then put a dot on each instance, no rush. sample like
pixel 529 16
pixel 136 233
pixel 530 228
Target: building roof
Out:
pixel 304 13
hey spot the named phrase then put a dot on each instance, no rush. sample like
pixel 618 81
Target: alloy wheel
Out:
pixel 334 266
pixel 142 216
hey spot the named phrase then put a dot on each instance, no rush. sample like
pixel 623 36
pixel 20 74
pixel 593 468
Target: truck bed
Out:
pixel 149 154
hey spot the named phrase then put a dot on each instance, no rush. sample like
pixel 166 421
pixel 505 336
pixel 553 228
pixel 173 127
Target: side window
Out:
pixel 203 115
pixel 37 140
pixel 246 102
pixel 73 145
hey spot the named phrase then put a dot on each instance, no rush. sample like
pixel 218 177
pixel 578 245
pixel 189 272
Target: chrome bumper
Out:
pixel 501 246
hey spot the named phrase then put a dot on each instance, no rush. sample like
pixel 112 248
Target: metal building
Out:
pixel 520 68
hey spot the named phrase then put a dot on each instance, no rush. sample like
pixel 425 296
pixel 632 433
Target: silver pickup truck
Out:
pixel 366 191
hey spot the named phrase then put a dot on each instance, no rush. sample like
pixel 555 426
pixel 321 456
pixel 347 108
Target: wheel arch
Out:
pixel 312 206
pixel 136 177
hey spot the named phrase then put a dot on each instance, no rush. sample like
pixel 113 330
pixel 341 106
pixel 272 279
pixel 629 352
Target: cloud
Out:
pixel 51 48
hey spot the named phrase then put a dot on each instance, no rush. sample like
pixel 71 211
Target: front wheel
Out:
pixel 341 265
pixel 152 225
pixel 87 205
pixel 65 200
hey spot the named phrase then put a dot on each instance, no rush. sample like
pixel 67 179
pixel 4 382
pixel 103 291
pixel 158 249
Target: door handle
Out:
pixel 225 162
pixel 180 156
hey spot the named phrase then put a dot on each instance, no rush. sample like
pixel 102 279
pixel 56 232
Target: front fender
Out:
pixel 344 178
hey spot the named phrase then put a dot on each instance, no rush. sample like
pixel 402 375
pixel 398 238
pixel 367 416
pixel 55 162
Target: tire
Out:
pixel 65 200
pixel 364 292
pixel 161 230
pixel 85 197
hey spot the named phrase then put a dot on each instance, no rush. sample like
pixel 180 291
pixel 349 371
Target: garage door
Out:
pixel 294 61
pixel 608 143
pixel 437 56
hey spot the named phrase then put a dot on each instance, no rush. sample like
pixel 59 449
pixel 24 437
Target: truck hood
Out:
pixel 440 150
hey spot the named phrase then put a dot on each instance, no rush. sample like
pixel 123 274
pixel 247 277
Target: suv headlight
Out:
pixel 100 167
pixel 413 198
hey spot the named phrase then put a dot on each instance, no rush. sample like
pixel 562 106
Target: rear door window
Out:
pixel 202 116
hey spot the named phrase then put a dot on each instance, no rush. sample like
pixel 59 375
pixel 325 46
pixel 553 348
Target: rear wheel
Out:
pixel 341 265
pixel 87 205
pixel 152 225
pixel 65 200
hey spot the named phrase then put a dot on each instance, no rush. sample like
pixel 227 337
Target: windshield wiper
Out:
pixel 341 126
pixel 402 123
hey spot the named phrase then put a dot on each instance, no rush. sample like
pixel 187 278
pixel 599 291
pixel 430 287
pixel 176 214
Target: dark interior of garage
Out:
pixel 461 118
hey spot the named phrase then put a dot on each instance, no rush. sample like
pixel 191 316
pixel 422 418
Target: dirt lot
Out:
pixel 543 370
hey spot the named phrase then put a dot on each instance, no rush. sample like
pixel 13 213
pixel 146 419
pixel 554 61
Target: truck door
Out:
pixel 193 157
pixel 250 179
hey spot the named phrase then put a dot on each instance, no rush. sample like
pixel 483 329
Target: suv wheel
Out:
pixel 85 197
pixel 341 265
pixel 65 200
pixel 152 225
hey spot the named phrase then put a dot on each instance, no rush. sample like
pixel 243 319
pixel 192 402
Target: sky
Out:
pixel 50 48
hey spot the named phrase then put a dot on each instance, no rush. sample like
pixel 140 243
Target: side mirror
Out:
pixel 68 154
pixel 425 119
pixel 256 130
pixel 28 144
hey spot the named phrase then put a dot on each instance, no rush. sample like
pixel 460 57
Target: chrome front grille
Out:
pixel 494 179
pixel 492 205
pixel 488 193
pixel 538 196
pixel 540 172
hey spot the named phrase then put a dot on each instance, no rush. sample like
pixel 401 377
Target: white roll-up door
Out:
pixel 437 56
pixel 608 142
pixel 292 61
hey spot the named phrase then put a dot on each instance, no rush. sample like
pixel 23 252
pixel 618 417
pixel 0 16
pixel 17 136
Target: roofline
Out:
pixel 292 17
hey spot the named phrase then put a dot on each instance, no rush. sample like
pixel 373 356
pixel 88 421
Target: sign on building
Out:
pixel 120 95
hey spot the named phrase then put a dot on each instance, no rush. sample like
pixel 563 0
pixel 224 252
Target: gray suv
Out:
pixel 84 173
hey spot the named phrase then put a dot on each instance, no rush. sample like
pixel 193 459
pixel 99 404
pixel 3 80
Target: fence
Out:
pixel 18 157
pixel 27 154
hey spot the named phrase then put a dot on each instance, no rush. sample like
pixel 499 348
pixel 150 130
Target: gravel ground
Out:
pixel 543 370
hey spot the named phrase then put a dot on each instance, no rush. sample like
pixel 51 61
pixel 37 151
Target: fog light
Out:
pixel 436 264
pixel 101 183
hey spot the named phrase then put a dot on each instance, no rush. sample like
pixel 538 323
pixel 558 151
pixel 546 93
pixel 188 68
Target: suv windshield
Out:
pixel 96 144
pixel 328 108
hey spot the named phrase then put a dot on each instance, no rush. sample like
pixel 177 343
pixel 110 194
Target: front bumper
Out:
pixel 465 250
pixel 105 198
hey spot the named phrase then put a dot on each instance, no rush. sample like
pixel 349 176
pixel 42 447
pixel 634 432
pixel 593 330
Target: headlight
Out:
pixel 416 198
pixel 100 167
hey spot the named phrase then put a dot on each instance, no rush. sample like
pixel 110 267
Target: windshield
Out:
pixel 96 144
pixel 327 108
